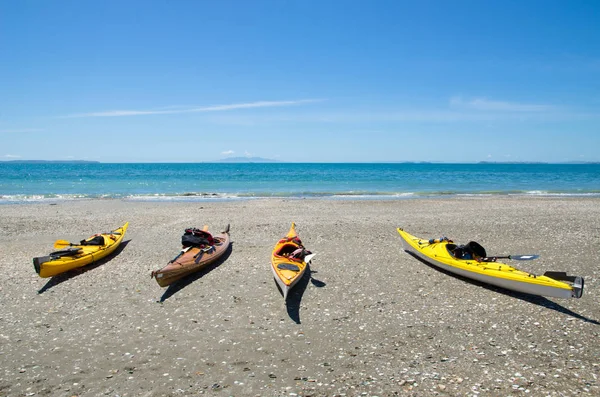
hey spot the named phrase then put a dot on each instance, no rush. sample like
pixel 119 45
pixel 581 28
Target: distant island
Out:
pixel 537 162
pixel 512 162
pixel 52 161
pixel 247 160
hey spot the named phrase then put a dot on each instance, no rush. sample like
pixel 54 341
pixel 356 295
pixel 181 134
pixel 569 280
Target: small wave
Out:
pixel 41 198
pixel 561 194
pixel 537 193
pixel 182 197
pixel 219 196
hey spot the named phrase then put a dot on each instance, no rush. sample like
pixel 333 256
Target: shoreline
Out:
pixel 341 196
pixel 367 319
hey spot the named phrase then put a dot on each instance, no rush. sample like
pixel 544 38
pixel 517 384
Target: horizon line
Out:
pixel 224 161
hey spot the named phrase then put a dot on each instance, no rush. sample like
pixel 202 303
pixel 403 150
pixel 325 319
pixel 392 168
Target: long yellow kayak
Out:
pixel 70 256
pixel 289 260
pixel 442 254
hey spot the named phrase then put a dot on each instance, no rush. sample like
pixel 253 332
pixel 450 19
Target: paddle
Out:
pixel 65 243
pixel 62 244
pixel 513 257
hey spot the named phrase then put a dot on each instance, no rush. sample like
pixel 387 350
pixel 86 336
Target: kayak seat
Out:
pixel 477 249
pixel 472 250
pixel 451 248
pixel 96 240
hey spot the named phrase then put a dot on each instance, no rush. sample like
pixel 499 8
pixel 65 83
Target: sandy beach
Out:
pixel 368 320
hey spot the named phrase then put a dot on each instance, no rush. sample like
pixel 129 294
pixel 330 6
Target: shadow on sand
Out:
pixel 535 299
pixel 187 280
pixel 295 295
pixel 60 278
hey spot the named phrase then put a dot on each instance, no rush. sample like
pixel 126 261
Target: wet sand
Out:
pixel 367 320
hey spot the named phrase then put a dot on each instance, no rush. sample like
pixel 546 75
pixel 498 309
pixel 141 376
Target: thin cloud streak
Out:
pixel 485 104
pixel 215 108
pixel 22 130
pixel 401 116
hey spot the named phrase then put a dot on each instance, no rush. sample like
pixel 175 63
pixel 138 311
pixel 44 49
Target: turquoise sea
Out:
pixel 34 182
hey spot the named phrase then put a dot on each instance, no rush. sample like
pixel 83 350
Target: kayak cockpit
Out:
pixel 470 251
pixel 291 251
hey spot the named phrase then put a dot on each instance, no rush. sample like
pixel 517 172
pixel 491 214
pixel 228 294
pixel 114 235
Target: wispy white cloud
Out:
pixel 228 152
pixel 178 110
pixel 20 130
pixel 439 114
pixel 11 156
pixel 485 104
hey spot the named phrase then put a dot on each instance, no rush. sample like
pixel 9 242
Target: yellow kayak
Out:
pixel 442 254
pixel 289 260
pixel 70 256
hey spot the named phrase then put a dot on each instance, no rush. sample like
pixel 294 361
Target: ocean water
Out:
pixel 33 182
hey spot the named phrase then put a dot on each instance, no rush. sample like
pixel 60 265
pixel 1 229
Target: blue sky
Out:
pixel 301 81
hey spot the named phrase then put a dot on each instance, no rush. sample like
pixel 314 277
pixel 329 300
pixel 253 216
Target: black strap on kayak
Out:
pixel 183 251
pixel 177 257
pixel 200 254
pixel 66 252
pixel 438 240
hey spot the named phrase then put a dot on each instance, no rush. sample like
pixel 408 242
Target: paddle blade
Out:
pixel 61 244
pixel 523 257
pixel 308 258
